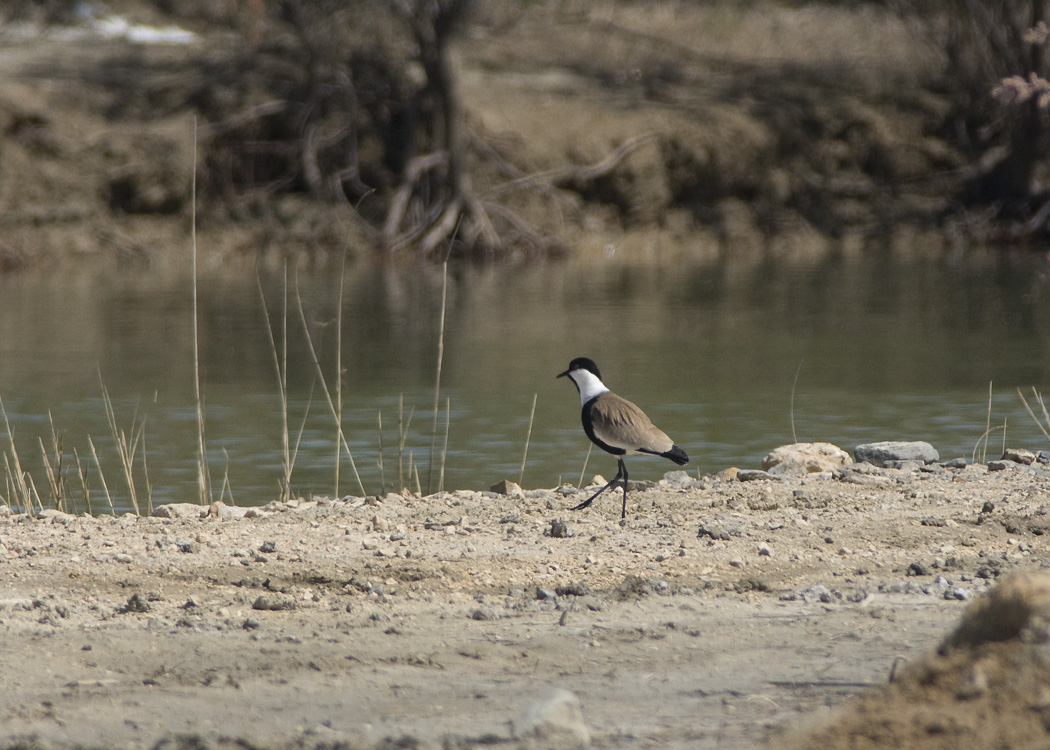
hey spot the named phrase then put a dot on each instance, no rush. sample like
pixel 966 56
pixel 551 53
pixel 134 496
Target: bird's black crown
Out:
pixel 583 363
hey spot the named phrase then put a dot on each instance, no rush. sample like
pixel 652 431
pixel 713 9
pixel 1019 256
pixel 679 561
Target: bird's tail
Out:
pixel 677 455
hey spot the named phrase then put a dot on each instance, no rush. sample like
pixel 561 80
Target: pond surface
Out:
pixel 731 359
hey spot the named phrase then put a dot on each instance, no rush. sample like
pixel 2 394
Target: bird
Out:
pixel 616 425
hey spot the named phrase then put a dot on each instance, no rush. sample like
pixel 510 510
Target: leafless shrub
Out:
pixel 996 74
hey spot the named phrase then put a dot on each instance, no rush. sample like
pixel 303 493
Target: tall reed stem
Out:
pixel 794 385
pixel 280 362
pixel 382 470
pixel 437 377
pixel 444 447
pixel 339 372
pixel 403 426
pixel 202 458
pixel 528 437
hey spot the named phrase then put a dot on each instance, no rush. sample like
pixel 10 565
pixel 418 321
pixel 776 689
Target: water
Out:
pixel 730 359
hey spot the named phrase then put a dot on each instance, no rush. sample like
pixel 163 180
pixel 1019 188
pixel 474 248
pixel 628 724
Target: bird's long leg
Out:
pixel 620 473
pixel 623 471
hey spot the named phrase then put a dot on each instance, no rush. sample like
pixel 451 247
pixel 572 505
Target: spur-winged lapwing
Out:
pixel 616 425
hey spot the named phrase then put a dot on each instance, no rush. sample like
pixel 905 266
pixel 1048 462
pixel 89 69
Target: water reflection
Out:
pixel 882 347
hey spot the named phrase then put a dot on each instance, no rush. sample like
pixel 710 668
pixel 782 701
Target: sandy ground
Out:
pixel 721 614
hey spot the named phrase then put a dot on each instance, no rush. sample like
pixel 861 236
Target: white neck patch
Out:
pixel 589 384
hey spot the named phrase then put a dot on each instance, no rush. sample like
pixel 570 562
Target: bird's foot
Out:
pixel 583 505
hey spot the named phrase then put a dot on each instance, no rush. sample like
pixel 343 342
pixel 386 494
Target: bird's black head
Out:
pixel 582 363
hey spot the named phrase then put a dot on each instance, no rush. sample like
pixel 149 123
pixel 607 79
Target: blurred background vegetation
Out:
pixel 493 129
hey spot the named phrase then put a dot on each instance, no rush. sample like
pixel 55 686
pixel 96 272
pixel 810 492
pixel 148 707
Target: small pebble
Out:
pixel 274 602
pixel 918 569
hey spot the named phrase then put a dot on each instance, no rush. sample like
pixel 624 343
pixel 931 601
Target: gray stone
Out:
pixel 554 722
pixel 484 613
pixel 713 530
pixel 560 530
pixel 679 478
pixel 1002 465
pixel 918 569
pixel 881 454
pixel 137 604
pixel 576 588
pixel 908 467
pixel 799 459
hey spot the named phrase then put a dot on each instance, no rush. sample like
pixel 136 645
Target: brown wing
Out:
pixel 621 424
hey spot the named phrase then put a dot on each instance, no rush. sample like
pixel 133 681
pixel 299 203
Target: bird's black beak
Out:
pixel 563 374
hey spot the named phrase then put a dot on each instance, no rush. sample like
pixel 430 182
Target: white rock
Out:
pixel 799 459
pixel 554 722
pixel 52 514
pixel 179 510
pixel 225 512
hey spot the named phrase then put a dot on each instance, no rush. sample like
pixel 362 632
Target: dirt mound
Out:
pixel 988 685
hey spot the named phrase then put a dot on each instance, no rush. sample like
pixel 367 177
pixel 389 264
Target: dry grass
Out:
pixel 980 448
pixel 332 408
pixel 127 449
pixel 1044 424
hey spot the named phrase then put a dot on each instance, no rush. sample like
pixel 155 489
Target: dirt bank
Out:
pixel 663 129
pixel 721 613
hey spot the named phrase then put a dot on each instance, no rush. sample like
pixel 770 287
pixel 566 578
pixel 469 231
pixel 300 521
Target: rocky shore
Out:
pixel 724 612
